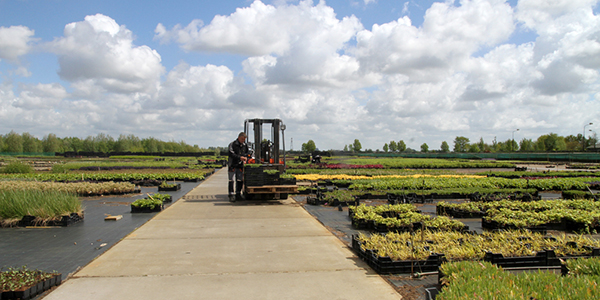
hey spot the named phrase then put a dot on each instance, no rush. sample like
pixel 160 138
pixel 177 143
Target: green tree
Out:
pixel 50 143
pixel 104 143
pixel 385 148
pixel 424 148
pixel 573 143
pixel 511 145
pixel 444 147
pixel 592 140
pixel 393 146
pixel 30 143
pixel 128 143
pixel 496 147
pixel 13 142
pixel 474 148
pixel 309 147
pixel 526 145
pixel 150 145
pixel 356 145
pixel 551 142
pixel 461 144
pixel 346 148
pixel 401 146
pixel 481 145
pixel 74 144
pixel 89 145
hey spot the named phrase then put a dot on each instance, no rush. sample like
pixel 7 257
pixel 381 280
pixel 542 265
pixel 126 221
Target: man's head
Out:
pixel 242 137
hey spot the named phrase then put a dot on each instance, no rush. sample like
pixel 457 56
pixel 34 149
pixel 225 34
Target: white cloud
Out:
pixel 208 87
pixel 14 42
pixel 262 29
pixel 40 96
pixel 448 36
pixel 541 14
pixel 98 51
pixel 567 51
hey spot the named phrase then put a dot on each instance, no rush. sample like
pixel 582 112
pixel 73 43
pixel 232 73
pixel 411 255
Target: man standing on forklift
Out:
pixel 238 151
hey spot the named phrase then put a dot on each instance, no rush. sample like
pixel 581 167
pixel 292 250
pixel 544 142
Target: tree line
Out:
pixel 551 142
pixel 27 143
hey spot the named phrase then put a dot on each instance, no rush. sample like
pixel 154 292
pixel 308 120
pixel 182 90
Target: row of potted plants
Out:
pixel 108 176
pixel 483 280
pixel 399 218
pixel 78 188
pixel 36 207
pixel 424 250
pixel 23 283
pixel 573 215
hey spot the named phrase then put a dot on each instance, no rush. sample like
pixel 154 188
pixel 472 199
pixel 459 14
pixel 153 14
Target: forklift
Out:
pixel 263 170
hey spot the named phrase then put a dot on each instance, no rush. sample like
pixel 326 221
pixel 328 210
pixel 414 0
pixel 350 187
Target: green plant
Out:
pixel 15 279
pixel 165 184
pixel 271 172
pixel 44 205
pixel 17 167
pixel 482 280
pixel 583 266
pixel 149 202
pixel 161 197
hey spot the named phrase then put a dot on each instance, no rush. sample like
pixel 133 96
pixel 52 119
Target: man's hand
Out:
pixel 243 159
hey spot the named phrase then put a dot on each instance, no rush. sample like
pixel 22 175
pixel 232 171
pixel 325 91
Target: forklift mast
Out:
pixel 266 151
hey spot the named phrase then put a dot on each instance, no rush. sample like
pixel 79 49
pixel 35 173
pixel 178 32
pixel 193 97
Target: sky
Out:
pixel 333 71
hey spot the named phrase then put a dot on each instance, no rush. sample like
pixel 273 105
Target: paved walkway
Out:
pixel 203 247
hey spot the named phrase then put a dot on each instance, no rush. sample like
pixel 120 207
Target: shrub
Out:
pixel 17 167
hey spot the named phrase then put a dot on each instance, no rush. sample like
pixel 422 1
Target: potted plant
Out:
pixel 164 186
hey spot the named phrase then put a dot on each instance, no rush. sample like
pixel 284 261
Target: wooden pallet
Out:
pixel 266 189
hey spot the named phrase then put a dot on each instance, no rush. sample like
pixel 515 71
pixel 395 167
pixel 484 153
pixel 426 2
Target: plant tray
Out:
pixel 382 228
pixel 192 179
pixel 458 213
pixel 62 222
pixel 385 265
pixel 34 290
pixel 146 209
pixel 177 187
pixel 491 225
pixel 542 258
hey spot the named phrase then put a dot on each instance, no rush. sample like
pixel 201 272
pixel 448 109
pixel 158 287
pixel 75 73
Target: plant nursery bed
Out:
pixel 31 221
pixel 385 265
pixel 146 209
pixel 492 225
pixel 382 228
pixel 541 259
pixel 335 202
pixel 35 289
pixel 176 187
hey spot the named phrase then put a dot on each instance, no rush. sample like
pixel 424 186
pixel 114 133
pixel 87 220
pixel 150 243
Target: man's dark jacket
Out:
pixel 236 151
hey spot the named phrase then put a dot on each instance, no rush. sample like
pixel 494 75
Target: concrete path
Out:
pixel 203 247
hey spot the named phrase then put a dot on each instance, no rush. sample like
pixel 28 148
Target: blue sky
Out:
pixel 334 71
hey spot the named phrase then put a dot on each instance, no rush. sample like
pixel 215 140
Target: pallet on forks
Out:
pixel 262 176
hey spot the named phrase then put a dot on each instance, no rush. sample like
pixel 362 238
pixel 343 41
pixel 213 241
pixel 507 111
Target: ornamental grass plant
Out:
pixel 483 280
pixel 43 205
pixel 459 246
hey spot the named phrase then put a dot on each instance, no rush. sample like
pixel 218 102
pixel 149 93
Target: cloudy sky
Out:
pixel 334 71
